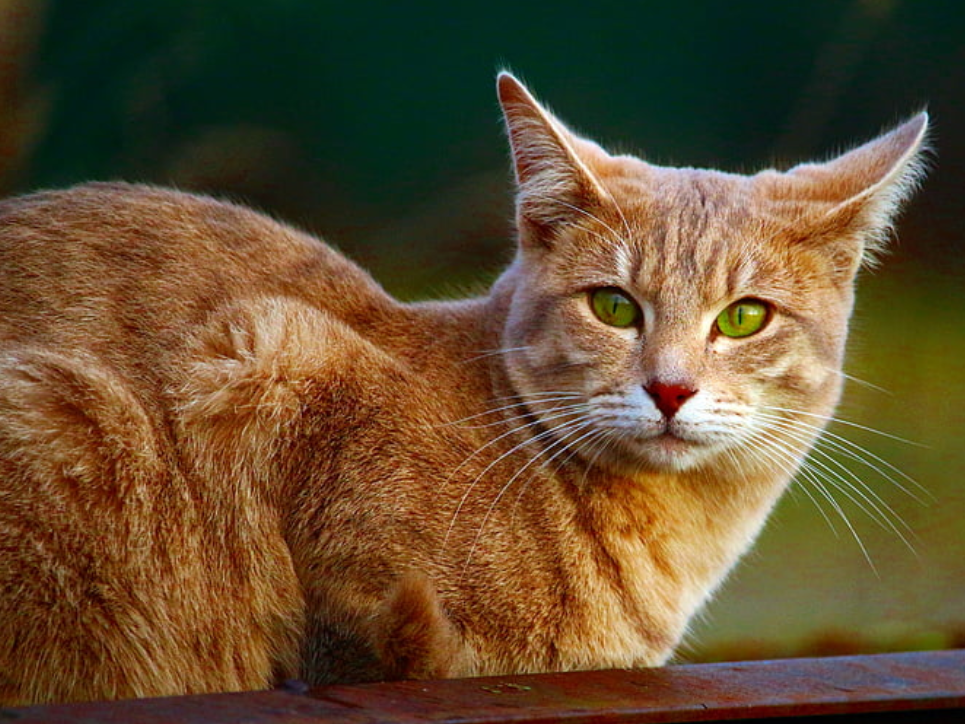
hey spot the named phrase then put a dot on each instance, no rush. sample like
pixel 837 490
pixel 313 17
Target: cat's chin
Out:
pixel 662 453
pixel 669 453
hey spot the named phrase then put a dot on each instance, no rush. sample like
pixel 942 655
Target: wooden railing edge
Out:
pixel 918 683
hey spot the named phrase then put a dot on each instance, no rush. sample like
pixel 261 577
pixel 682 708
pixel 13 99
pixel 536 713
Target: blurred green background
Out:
pixel 375 125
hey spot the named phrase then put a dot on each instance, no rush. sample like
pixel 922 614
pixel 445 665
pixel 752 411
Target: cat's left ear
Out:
pixel 554 183
pixel 860 193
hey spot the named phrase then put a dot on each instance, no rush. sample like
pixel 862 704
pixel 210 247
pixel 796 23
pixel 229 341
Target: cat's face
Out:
pixel 667 319
pixel 671 337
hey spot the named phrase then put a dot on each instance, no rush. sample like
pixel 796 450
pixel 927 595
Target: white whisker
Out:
pixel 535 395
pixel 493 353
pixel 808 474
pixel 860 454
pixel 576 426
pixel 608 441
pixel 511 431
pixel 859 492
pixel 518 405
pixel 859 381
pixel 593 217
pixel 841 421
pixel 528 441
pixel 791 465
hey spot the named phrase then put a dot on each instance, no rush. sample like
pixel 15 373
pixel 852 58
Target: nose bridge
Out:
pixel 691 269
pixel 673 349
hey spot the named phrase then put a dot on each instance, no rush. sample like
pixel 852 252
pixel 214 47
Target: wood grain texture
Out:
pixel 928 686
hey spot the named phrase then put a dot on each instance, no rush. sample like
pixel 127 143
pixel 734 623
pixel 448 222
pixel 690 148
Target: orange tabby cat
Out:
pixel 228 457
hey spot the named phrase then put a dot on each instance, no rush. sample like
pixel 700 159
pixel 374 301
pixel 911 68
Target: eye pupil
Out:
pixel 613 307
pixel 742 318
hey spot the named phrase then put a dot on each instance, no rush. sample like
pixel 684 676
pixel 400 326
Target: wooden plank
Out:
pixel 914 683
pixel 795 687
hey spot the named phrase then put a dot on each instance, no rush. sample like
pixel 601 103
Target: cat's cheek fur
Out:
pixel 541 355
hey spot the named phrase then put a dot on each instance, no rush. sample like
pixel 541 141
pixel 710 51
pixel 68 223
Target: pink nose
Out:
pixel 669 398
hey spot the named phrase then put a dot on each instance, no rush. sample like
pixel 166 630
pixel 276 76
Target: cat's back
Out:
pixel 109 258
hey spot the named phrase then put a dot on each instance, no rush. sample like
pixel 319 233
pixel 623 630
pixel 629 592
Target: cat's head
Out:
pixel 667 318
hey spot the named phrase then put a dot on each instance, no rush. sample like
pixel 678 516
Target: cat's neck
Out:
pixel 685 530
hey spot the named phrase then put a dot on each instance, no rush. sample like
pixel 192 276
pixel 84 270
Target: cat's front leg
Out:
pixel 404 633
pixel 413 636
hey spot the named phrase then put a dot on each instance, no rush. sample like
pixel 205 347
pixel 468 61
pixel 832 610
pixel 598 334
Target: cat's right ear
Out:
pixel 856 196
pixel 553 184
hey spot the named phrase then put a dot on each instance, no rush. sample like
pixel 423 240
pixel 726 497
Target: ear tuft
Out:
pixel 851 202
pixel 892 167
pixel 551 178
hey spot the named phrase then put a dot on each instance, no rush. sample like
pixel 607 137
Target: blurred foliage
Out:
pixel 375 123
pixel 22 104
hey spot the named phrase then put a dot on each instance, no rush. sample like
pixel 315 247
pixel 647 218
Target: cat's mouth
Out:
pixel 669 440
pixel 668 452
pixel 662 451
pixel 631 436
pixel 669 443
pixel 671 450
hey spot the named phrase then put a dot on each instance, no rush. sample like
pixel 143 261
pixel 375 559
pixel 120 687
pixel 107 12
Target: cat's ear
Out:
pixel 554 185
pixel 860 193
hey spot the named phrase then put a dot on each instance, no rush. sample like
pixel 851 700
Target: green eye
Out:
pixel 742 318
pixel 614 308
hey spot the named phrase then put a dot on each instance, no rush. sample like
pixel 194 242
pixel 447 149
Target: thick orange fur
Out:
pixel 228 457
